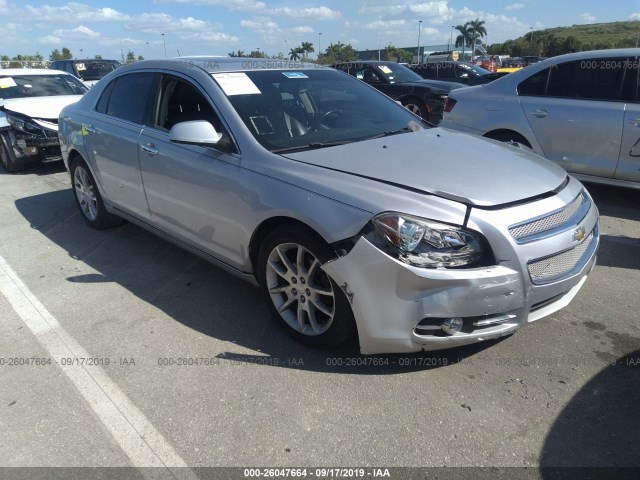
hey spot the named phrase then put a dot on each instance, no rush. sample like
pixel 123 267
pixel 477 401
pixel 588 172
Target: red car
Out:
pixel 486 62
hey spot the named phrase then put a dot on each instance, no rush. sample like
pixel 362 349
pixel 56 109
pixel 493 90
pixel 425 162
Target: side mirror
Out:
pixel 195 132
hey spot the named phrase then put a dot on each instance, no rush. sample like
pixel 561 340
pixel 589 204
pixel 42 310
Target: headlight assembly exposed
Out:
pixel 24 125
pixel 424 243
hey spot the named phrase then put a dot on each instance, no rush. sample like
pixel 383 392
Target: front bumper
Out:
pixel 31 148
pixel 396 306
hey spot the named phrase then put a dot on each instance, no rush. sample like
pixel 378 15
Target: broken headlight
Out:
pixel 24 125
pixel 425 243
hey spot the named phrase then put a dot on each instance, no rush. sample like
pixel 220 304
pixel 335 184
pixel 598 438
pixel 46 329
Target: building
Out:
pixel 425 52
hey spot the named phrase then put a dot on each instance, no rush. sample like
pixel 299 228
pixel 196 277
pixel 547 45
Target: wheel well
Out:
pixel 504 135
pixel 267 227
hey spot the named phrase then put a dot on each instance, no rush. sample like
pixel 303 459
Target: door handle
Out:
pixel 635 122
pixel 89 128
pixel 150 149
pixel 540 113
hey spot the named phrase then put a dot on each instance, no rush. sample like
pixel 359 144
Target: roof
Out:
pixel 213 64
pixel 29 71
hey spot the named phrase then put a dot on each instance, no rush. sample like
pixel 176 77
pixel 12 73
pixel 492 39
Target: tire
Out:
pixel 300 295
pixel 414 105
pixel 7 157
pixel 88 197
pixel 508 137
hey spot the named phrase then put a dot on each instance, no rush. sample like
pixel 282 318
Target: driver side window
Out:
pixel 182 102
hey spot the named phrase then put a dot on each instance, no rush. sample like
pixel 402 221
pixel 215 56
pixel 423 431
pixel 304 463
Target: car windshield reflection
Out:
pixel 292 111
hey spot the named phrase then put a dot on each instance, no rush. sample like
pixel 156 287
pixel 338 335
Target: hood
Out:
pixel 40 107
pixel 443 87
pixel 449 164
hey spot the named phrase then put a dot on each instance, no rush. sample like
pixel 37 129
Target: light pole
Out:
pixel 319 49
pixel 418 55
pixel 531 41
pixel 451 38
pixel 165 45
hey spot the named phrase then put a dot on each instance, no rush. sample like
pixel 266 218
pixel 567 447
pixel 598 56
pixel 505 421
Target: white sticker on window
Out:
pixel 7 82
pixel 236 83
pixel 81 66
pixel 385 69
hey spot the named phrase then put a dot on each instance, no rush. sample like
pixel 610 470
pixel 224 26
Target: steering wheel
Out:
pixel 318 121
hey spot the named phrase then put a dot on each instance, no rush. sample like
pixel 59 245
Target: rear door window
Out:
pixel 130 96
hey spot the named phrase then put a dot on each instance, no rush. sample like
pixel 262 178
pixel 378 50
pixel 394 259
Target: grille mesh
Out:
pixel 555 267
pixel 547 223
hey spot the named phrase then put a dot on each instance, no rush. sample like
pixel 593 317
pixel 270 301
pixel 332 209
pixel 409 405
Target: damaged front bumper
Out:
pixel 35 143
pixel 401 308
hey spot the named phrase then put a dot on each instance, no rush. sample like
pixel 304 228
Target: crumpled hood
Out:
pixel 40 107
pixel 450 164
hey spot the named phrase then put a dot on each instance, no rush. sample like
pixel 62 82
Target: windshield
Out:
pixel 397 73
pixel 308 109
pixel 24 86
pixel 95 70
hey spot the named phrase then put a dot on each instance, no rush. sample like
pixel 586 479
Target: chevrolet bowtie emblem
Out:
pixel 579 234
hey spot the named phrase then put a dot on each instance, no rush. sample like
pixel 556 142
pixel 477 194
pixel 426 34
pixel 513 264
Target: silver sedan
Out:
pixel 352 215
pixel 579 110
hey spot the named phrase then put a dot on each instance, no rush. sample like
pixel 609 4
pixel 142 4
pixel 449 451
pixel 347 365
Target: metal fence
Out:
pixel 24 64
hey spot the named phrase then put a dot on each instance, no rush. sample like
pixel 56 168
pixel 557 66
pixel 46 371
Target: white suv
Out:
pixel 580 110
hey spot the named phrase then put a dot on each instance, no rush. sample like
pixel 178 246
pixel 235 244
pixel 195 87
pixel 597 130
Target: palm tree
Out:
pixel 294 54
pixel 307 48
pixel 477 31
pixel 464 38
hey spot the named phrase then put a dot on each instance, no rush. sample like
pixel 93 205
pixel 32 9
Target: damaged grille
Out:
pixel 561 265
pixel 548 224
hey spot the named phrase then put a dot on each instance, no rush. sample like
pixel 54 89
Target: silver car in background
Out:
pixel 580 110
pixel 349 212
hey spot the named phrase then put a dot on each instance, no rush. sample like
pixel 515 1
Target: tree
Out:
pixel 98 57
pixel 239 53
pixel 464 38
pixel 477 31
pixel 307 48
pixel 140 57
pixel 294 54
pixel 257 54
pixel 64 55
pixel 339 52
pixel 131 57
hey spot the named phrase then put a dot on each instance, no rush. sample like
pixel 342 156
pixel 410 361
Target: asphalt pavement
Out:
pixel 118 349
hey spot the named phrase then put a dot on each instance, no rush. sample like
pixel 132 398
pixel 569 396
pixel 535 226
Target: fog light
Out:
pixel 21 143
pixel 451 326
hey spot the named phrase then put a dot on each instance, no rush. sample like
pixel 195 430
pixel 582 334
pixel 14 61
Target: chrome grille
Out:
pixel 533 229
pixel 549 269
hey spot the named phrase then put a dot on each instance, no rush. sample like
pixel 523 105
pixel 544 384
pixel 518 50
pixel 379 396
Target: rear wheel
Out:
pixel 300 295
pixel 8 158
pixel 415 105
pixel 88 197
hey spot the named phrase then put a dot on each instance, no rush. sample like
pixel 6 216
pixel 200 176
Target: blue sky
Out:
pixel 216 27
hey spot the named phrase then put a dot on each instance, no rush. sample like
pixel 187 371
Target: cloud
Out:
pixel 75 12
pixel 50 40
pixel 259 24
pixel 515 6
pixel 588 18
pixel 302 29
pixel 317 13
pixel 231 4
pixel 634 16
pixel 385 24
pixel 79 33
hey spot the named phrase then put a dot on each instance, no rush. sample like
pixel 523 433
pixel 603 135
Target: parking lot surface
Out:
pixel 118 349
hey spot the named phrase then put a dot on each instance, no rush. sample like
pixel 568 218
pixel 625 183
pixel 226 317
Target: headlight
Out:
pixel 424 243
pixel 23 125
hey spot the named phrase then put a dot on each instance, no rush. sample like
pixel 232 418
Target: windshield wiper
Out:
pixel 310 146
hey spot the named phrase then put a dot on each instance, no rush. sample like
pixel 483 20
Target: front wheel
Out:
pixel 88 197
pixel 7 157
pixel 300 295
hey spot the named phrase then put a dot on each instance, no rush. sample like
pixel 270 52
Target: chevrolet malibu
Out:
pixel 351 214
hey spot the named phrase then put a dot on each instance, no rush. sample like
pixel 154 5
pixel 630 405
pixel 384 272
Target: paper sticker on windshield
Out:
pixel 236 83
pixel 294 75
pixel 80 66
pixel 7 82
pixel 385 69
